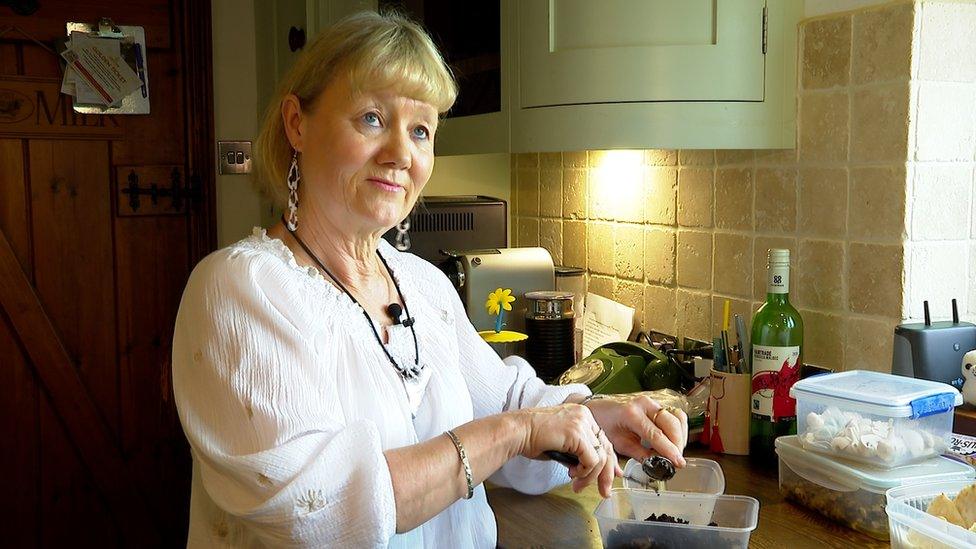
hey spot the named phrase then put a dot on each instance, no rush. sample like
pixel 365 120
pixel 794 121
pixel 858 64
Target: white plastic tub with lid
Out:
pixel 880 419
pixel 850 493
pixel 912 527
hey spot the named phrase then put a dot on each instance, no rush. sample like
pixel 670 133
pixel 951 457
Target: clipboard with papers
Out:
pixel 106 70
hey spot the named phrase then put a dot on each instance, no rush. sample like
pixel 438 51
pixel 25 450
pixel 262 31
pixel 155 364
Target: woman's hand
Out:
pixel 629 418
pixel 571 428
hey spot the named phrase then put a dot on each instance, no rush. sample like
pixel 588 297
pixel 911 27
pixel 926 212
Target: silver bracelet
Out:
pixel 464 462
pixel 594 396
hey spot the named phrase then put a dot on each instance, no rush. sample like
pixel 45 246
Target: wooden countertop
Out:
pixel 964 422
pixel 564 519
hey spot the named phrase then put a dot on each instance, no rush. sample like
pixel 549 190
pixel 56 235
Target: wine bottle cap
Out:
pixel 779 256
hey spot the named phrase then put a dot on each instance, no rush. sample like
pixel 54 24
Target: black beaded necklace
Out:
pixel 406 373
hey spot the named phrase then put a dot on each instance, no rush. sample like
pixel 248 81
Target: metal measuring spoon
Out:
pixel 658 468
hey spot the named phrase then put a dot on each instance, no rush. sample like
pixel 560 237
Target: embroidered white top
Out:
pixel 288 403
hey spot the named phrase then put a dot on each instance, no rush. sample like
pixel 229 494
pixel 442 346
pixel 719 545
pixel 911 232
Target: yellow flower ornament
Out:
pixel 500 299
pixel 498 302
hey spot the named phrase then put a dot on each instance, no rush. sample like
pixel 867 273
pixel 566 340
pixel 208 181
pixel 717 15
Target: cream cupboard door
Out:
pixel 323 13
pixel 289 18
pixel 574 52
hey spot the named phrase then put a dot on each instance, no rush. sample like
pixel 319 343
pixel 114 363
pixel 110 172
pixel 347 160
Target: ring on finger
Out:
pixel 669 409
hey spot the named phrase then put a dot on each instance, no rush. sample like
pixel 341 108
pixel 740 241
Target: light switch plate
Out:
pixel 234 157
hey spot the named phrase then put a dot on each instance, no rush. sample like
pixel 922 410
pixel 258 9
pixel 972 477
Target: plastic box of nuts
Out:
pixel 880 419
pixel 851 493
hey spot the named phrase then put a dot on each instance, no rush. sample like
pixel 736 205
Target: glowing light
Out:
pixel 616 186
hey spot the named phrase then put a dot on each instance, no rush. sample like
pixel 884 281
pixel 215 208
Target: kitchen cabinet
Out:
pixel 633 74
pixel 573 52
pixel 475 43
pixel 275 22
pixel 654 74
pixel 282 30
pixel 564 75
pixel 470 35
pixel 322 13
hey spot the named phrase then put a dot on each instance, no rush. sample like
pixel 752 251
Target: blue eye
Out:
pixel 372 119
pixel 421 132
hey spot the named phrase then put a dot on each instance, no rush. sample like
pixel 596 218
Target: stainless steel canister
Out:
pixel 573 279
pixel 549 325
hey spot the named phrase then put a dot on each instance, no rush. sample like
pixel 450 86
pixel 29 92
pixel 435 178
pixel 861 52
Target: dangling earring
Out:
pixel 294 177
pixel 402 241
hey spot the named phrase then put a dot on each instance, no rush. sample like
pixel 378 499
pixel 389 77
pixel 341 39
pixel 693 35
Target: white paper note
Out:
pixel 605 321
pixel 98 63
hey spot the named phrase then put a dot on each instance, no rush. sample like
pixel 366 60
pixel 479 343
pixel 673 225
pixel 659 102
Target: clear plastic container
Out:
pixel 879 419
pixel 700 476
pixel 622 524
pixel 850 493
pixel 911 526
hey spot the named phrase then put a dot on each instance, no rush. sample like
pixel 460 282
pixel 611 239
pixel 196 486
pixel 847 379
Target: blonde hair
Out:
pixel 385 50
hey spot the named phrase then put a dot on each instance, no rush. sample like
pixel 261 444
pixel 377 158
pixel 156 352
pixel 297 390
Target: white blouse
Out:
pixel 288 403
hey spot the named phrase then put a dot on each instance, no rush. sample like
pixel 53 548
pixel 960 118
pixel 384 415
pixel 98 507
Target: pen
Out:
pixel 727 352
pixel 725 315
pixel 718 354
pixel 140 68
pixel 742 336
pixel 726 346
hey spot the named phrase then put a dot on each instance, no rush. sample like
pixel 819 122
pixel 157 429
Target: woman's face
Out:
pixel 365 156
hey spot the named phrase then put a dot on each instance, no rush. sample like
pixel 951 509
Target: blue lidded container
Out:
pixel 879 419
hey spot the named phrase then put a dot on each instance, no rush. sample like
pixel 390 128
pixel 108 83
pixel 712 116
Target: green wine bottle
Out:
pixel 775 359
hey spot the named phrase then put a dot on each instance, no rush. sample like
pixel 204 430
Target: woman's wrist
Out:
pixel 576 398
pixel 516 429
pixel 591 398
pixel 465 463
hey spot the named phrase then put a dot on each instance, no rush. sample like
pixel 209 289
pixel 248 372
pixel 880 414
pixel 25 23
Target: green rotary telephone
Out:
pixel 624 367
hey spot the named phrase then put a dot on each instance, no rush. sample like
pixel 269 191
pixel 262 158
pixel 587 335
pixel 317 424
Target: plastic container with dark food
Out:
pixel 853 494
pixel 622 525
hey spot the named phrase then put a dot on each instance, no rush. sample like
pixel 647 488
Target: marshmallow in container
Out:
pixel 850 433
pixel 880 419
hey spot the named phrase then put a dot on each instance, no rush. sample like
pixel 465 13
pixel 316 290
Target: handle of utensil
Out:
pixel 562 457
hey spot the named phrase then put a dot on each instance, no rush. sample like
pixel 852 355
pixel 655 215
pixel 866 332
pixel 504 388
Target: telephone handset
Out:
pixel 624 367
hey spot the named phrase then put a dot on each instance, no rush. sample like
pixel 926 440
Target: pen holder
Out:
pixel 727 422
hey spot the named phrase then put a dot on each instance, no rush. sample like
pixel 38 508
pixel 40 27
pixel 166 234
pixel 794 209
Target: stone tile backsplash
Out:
pixel 875 203
pixel 941 168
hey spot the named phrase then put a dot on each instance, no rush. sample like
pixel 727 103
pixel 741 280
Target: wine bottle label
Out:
pixel 774 371
pixel 779 279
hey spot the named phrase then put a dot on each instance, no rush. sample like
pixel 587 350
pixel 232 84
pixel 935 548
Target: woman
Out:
pixel 316 413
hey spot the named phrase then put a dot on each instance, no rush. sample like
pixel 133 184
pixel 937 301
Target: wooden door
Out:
pixel 619 51
pixel 91 273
